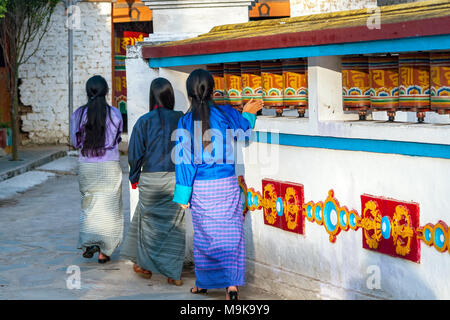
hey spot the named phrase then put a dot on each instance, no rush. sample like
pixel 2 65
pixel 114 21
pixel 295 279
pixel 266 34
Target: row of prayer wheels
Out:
pixel 414 82
pixel 281 84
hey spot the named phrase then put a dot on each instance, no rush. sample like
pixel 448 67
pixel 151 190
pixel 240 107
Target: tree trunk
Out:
pixel 14 118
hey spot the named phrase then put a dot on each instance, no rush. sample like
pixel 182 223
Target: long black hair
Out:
pixel 200 86
pixel 97 110
pixel 161 96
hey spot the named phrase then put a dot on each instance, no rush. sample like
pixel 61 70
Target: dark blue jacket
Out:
pixel 150 144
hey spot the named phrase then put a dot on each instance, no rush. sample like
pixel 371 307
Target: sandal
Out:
pixel 197 291
pixel 104 260
pixel 142 272
pixel 89 253
pixel 175 282
pixel 233 295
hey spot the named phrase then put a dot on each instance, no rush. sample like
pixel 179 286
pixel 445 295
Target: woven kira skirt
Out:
pixel 101 218
pixel 156 238
pixel 219 243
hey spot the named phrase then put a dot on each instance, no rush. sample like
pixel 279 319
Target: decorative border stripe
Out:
pixel 351 144
pixel 440 42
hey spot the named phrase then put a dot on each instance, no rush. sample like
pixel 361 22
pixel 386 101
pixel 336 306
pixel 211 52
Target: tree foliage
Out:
pixel 24 22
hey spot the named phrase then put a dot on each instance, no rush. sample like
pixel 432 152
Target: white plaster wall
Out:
pixel 196 20
pixel 309 266
pixel 307 7
pixel 45 77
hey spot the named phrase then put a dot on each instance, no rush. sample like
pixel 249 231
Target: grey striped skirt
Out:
pixel 101 219
pixel 156 238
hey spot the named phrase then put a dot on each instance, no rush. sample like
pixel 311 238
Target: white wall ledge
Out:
pixel 370 129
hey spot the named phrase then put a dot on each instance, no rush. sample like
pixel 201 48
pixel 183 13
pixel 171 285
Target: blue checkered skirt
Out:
pixel 219 243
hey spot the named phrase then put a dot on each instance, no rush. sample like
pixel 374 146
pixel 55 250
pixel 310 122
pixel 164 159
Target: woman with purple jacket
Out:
pixel 96 132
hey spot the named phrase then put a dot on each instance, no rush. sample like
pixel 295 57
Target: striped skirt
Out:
pixel 101 219
pixel 219 243
pixel 156 238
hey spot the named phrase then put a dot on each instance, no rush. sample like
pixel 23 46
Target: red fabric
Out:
pixel 134 185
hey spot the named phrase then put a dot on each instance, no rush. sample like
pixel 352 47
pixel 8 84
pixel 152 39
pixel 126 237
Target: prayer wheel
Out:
pixel 356 85
pixel 272 85
pixel 383 75
pixel 219 96
pixel 440 82
pixel 414 83
pixel 295 81
pixel 233 85
pixel 251 81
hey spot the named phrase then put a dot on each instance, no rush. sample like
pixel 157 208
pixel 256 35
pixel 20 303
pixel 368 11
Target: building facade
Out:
pixel 346 201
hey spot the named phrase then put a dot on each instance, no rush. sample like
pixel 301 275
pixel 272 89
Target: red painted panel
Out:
pixel 293 197
pixel 271 192
pixel 389 227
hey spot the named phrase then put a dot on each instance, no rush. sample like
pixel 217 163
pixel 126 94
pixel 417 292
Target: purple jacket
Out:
pixel 114 127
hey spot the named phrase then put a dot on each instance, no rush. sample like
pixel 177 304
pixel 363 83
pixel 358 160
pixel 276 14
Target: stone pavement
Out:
pixel 38 242
pixel 30 157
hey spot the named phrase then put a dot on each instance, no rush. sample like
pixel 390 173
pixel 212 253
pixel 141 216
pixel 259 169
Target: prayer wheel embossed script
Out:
pixel 295 79
pixel 251 81
pixel 233 85
pixel 383 74
pixel 272 84
pixel 414 83
pixel 356 85
pixel 219 95
pixel 440 82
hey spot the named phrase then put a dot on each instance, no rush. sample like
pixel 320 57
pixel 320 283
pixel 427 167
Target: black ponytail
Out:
pixel 97 109
pixel 161 96
pixel 200 86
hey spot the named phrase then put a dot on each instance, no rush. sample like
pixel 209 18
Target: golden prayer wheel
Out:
pixel 414 83
pixel 233 84
pixel 383 75
pixel 295 79
pixel 219 95
pixel 272 85
pixel 440 82
pixel 251 81
pixel 356 85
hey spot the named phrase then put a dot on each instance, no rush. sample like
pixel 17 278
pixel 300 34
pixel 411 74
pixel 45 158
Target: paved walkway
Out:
pixel 38 252
pixel 30 158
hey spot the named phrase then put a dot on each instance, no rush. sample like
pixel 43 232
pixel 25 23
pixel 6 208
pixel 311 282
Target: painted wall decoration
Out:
pixel 436 235
pixel 356 85
pixel 414 83
pixel 233 84
pixel 273 86
pixel 251 81
pixel 282 204
pixel 332 216
pixel 389 226
pixel 440 82
pixel 295 81
pixel 219 94
pixel 383 75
